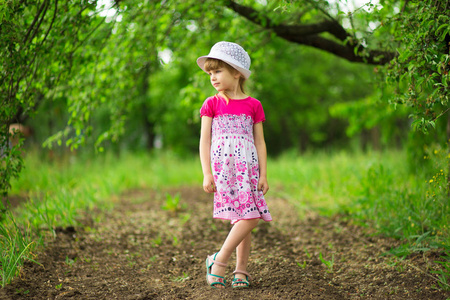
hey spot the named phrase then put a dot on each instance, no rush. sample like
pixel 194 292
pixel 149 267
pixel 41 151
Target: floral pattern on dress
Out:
pixel 235 166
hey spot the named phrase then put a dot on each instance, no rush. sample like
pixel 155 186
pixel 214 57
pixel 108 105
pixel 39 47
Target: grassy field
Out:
pixel 374 189
pixel 377 189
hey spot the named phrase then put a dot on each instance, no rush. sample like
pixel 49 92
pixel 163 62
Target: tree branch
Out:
pixel 36 18
pixel 51 24
pixel 404 6
pixel 40 22
pixel 309 35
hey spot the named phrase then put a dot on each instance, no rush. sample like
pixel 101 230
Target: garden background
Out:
pixel 108 97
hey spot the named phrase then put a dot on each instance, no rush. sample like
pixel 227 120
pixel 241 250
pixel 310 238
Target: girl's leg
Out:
pixel 236 235
pixel 242 255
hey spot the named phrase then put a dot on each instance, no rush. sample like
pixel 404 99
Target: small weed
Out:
pixel 95 267
pixel 89 229
pixel 444 273
pixel 157 241
pixel 175 241
pixel 328 263
pixel 181 278
pixel 172 204
pixel 401 251
pixel 131 263
pixel 70 261
pixel 17 246
pixel 130 257
pixel 22 292
pixel 58 286
pixel 337 228
pixel 307 253
pixel 184 218
pixel 393 262
pixel 130 260
pixel 303 265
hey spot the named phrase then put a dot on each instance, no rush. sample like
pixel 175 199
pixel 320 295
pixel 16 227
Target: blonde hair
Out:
pixel 212 64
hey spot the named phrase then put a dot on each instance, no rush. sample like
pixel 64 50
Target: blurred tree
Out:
pixel 121 75
pixel 311 23
pixel 411 37
pixel 39 44
pixel 134 70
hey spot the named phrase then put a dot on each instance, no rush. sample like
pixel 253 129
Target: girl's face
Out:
pixel 222 80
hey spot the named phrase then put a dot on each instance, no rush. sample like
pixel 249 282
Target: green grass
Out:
pixel 380 190
pixel 375 189
pixel 16 246
pixel 107 173
pixel 63 192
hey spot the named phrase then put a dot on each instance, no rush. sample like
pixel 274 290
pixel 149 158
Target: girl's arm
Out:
pixel 205 156
pixel 260 144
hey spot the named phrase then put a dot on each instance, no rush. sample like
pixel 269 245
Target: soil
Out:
pixel 140 251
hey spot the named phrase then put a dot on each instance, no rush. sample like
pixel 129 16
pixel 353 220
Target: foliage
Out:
pixel 173 204
pixel 297 100
pixel 420 72
pixel 110 82
pixel 32 35
pixel 377 189
pixel 16 246
pixel 371 113
pixel 328 263
pixel 444 274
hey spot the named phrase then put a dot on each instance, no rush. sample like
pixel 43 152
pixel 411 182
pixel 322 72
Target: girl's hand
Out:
pixel 263 185
pixel 208 184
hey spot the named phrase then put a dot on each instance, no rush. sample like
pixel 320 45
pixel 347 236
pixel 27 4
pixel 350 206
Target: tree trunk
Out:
pixel 376 138
pixel 149 128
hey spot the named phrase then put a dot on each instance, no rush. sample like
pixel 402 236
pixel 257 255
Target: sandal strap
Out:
pixel 212 260
pixel 243 272
pixel 217 282
pixel 240 281
pixel 223 282
pixel 237 283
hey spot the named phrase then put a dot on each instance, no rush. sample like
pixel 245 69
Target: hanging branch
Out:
pixel 309 34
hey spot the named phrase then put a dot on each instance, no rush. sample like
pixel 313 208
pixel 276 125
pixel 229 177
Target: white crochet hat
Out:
pixel 231 53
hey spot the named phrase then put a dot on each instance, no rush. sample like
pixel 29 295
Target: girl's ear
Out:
pixel 237 74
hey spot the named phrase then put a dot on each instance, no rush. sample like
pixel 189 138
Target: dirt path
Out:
pixel 139 251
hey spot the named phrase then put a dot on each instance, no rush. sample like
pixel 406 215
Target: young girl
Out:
pixel 233 157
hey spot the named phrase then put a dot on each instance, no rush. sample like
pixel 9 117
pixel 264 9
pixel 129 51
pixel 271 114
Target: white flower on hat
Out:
pixel 230 53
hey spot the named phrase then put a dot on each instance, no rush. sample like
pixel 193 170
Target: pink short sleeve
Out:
pixel 259 113
pixel 207 108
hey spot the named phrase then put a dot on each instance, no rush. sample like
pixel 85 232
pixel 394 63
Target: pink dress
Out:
pixel 234 160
